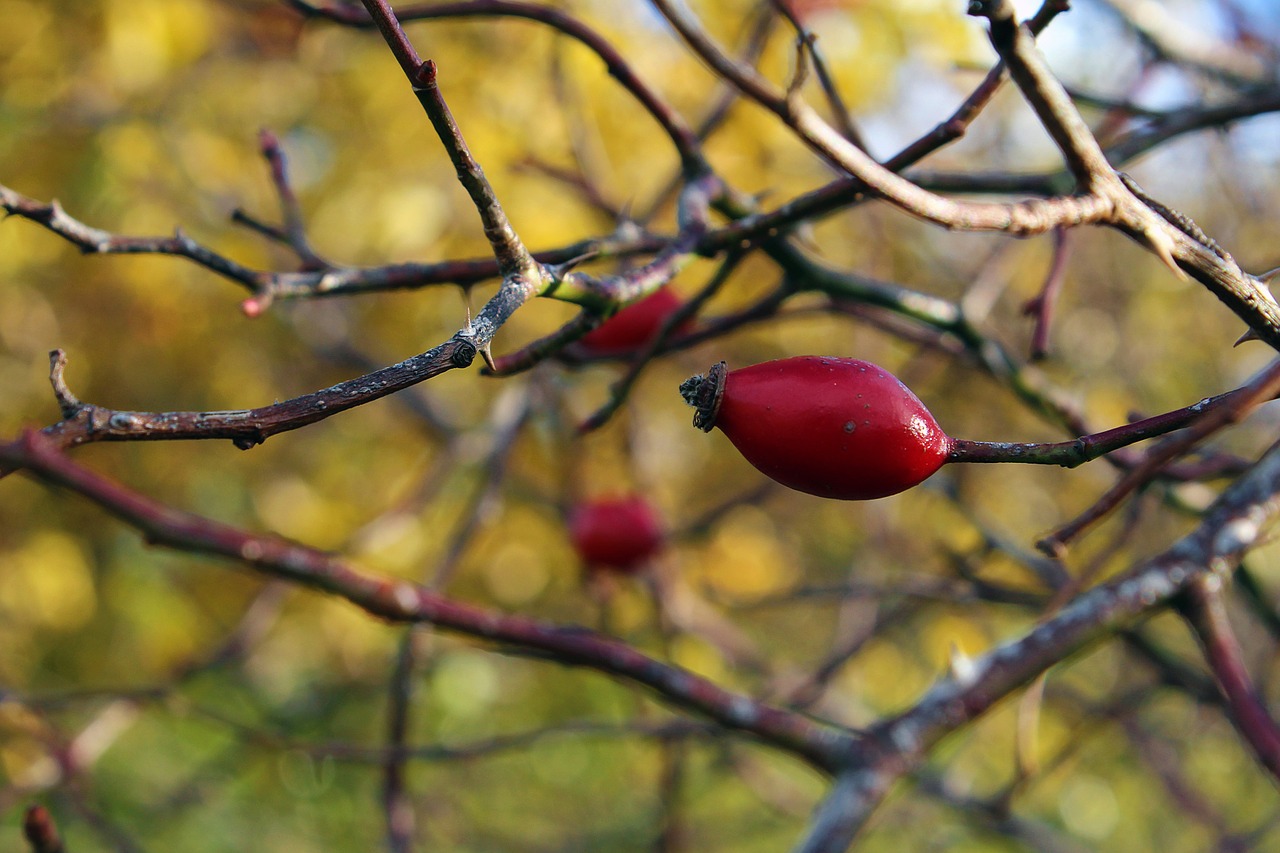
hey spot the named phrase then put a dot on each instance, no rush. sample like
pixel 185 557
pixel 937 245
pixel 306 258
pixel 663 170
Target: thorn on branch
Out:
pixel 1176 218
pixel 559 271
pixel 1249 335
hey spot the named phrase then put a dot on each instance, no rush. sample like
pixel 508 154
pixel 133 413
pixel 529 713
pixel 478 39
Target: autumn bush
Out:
pixel 310 390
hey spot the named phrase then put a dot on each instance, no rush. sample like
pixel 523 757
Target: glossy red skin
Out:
pixel 633 326
pixel 618 534
pixel 832 427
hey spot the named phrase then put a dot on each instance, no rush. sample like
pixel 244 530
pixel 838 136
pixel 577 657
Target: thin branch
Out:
pixel 336 281
pixel 294 233
pixel 835 101
pixel 836 820
pixel 1042 306
pixel 1107 202
pixel 397 804
pixel 755 42
pixel 682 137
pixel 1020 219
pixel 249 427
pixel 574 179
pixel 1192 47
pixel 405 602
pixel 1207 615
pixel 845 192
pixel 514 260
pixel 1263 387
pixel 481 505
pixel 1050 101
pixel 1229 407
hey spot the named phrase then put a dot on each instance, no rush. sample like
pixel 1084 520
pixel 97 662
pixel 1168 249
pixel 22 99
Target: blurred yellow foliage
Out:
pixel 47 583
pixel 745 559
pixel 147 39
pixel 885 676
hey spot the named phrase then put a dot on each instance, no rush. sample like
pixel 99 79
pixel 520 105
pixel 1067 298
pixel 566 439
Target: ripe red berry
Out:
pixel 633 326
pixel 617 534
pixel 833 427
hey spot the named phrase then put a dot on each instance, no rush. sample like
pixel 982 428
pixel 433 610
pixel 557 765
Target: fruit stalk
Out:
pixel 1086 448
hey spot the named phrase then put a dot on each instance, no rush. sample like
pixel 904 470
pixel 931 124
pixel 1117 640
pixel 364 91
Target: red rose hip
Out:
pixel 832 427
pixel 618 534
pixel 633 326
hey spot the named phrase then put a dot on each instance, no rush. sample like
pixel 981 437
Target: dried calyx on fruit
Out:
pixel 634 326
pixel 616 534
pixel 832 427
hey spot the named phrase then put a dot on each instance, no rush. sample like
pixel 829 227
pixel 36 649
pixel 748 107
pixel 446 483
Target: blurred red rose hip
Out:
pixel 633 326
pixel 618 534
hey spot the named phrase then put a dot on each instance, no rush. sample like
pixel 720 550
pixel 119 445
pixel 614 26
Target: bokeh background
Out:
pixel 142 115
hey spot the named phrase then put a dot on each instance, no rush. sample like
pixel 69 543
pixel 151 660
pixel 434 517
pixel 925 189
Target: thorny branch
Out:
pixel 1207 614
